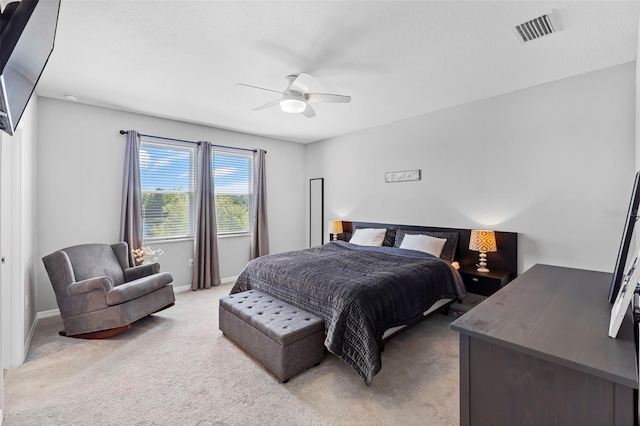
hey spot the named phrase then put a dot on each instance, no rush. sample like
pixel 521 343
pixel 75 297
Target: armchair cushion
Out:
pixel 140 287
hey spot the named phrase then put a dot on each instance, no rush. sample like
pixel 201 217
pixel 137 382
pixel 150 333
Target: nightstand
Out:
pixel 484 283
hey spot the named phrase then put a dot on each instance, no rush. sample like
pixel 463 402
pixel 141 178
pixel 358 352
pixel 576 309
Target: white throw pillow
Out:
pixel 368 237
pixel 425 243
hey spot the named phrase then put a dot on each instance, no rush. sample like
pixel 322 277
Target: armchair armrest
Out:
pixel 140 271
pixel 90 284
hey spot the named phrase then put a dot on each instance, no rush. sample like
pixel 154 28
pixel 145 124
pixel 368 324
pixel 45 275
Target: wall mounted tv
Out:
pixel 27 33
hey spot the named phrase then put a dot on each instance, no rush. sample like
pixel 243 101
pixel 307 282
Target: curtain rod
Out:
pixel 124 132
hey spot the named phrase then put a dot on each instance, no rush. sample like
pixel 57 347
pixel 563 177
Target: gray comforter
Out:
pixel 358 291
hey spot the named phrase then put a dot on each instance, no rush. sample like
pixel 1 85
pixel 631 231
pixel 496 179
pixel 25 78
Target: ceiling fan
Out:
pixel 296 99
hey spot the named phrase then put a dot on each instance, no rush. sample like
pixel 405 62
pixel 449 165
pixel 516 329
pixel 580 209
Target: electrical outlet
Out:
pixel 190 262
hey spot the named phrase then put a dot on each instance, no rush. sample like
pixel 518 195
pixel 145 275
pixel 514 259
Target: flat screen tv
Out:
pixel 627 234
pixel 27 33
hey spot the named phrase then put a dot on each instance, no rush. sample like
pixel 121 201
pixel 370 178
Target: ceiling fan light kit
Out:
pixel 292 105
pixel 295 98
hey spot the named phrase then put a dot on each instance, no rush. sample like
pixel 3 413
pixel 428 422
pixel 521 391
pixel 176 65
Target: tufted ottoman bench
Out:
pixel 285 339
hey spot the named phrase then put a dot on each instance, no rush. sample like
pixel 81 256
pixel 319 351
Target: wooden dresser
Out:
pixel 537 353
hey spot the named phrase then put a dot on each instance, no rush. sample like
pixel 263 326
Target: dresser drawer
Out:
pixel 484 283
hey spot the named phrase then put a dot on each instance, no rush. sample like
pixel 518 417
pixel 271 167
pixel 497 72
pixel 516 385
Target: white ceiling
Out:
pixel 181 59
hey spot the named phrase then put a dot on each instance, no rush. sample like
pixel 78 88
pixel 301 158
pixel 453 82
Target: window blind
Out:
pixel 167 180
pixel 233 191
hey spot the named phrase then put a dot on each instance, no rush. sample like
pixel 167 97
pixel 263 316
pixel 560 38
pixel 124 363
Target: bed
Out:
pixel 360 292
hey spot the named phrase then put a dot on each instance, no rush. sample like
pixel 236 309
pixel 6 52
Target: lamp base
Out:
pixel 334 237
pixel 482 265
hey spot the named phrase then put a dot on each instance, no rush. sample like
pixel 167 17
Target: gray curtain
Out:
pixel 260 235
pixel 206 272
pixel 131 215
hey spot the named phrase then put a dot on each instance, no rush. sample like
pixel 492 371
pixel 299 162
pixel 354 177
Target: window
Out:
pixel 168 183
pixel 233 190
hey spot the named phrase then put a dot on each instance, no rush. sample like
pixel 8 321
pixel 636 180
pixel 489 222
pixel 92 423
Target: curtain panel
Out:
pixel 131 213
pixel 260 234
pixel 206 271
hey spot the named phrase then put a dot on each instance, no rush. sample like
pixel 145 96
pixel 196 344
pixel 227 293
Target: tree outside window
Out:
pixel 233 187
pixel 167 176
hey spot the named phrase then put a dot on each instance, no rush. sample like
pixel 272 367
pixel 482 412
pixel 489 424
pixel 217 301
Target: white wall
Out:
pixel 554 163
pixel 80 163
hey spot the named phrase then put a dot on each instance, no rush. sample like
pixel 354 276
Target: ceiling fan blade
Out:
pixel 309 112
pixel 302 83
pixel 326 97
pixel 267 105
pixel 256 87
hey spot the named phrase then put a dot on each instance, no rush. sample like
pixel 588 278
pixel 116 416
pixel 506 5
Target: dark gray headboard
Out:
pixel 505 259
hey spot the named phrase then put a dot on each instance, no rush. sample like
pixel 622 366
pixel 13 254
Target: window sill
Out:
pixel 178 240
pixel 225 236
pixel 168 240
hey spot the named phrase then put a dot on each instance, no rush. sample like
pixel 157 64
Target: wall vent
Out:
pixel 537 27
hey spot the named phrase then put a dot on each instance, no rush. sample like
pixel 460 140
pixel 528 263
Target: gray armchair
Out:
pixel 99 295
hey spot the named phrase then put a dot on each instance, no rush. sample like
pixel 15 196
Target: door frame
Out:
pixel 11 284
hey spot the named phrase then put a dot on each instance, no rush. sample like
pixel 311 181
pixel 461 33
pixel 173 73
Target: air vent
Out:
pixel 538 27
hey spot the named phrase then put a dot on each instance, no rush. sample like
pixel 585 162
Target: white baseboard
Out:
pixel 182 288
pixel 27 343
pixel 48 314
pixel 229 280
pixel 223 281
pixel 39 316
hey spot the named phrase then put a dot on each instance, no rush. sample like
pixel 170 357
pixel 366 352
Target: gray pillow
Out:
pixel 389 237
pixel 449 249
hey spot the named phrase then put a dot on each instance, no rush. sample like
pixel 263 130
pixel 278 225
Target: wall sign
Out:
pixel 402 176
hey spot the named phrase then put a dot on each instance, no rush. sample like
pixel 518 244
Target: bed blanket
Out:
pixel 358 291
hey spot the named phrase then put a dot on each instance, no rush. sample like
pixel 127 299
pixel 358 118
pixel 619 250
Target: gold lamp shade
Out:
pixel 483 241
pixel 335 228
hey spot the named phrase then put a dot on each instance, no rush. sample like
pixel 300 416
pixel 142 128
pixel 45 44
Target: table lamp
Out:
pixel 335 228
pixel 483 241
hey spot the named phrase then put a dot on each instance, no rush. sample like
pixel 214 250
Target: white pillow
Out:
pixel 425 243
pixel 368 237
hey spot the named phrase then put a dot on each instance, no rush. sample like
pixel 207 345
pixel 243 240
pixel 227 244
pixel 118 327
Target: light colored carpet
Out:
pixel 176 368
